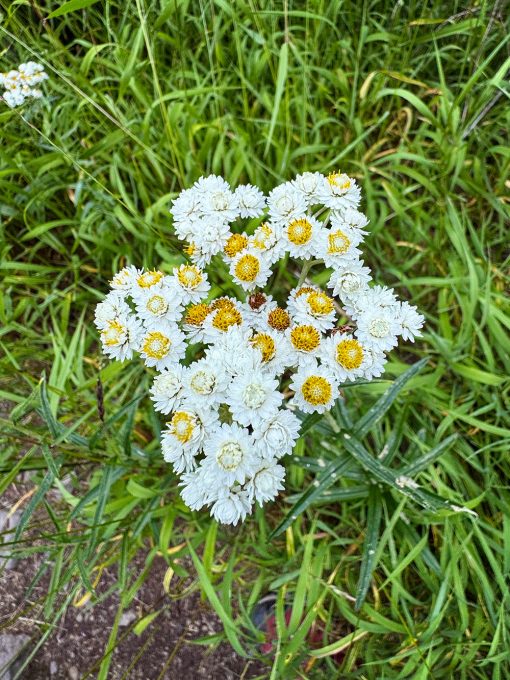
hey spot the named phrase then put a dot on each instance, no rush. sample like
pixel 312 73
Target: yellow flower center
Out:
pixel 156 345
pixel 189 276
pixel 339 180
pixel 349 354
pixel 316 390
pixel 114 334
pixel 278 319
pixel 182 426
pixel 190 249
pixel 305 338
pixel 266 345
pixel 157 304
pixel 148 279
pixel 225 318
pixel 299 232
pixel 196 314
pixel 320 303
pixel 235 244
pixel 338 243
pixel 247 268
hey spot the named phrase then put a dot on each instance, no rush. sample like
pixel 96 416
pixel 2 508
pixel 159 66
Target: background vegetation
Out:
pixel 145 96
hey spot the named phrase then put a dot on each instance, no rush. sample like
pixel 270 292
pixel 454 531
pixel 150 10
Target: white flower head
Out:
pixel 277 436
pixel 205 382
pixel 162 347
pixel 209 238
pixel 193 321
pixel 286 203
pixel 195 491
pixel 253 397
pixel 186 211
pixel 250 269
pixel 303 342
pixel 314 307
pixel 267 482
pixel 232 350
pixel 373 363
pixel 120 336
pixel 251 200
pixel 309 185
pixel 315 388
pixel 232 505
pixel 337 245
pixel 145 280
pixel 344 356
pixel 226 314
pixel 371 298
pixel 256 308
pixel 191 283
pixel 272 350
pixel 124 280
pixel 410 321
pixel 378 328
pixel 349 279
pixel 184 436
pixel 301 236
pixel 158 306
pixel 167 389
pixel 340 192
pixel 114 305
pixel 230 455
pixel 350 219
pixel 218 201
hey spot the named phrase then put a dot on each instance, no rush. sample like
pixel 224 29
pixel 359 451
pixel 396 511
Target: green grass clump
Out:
pixel 143 98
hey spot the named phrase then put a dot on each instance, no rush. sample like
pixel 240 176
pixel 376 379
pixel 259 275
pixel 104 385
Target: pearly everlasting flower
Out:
pixel 147 280
pixel 250 199
pixel 344 355
pixel 340 192
pixel 285 203
pixel 230 455
pixel 162 348
pixel 209 239
pixel 113 306
pixel 266 482
pixel 315 388
pixel 20 84
pixel 253 398
pixel 225 315
pixel 337 245
pixel 250 269
pixel 300 237
pixel 158 306
pixel 373 363
pixel 167 391
pixel 186 211
pixel 232 506
pixel 378 328
pixel 277 435
pixel 410 321
pixel 205 382
pixel 124 280
pixel 120 337
pixel 191 283
pixel 184 435
pixel 315 307
pixel 350 279
pixel 310 186
pixel 235 353
pixel 304 343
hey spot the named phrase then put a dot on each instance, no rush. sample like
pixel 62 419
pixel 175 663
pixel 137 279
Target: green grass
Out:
pixel 144 97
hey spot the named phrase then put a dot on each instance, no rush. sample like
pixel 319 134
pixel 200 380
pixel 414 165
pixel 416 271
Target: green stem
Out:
pixel 304 272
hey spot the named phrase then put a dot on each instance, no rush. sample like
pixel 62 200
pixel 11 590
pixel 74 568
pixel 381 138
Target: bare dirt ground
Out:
pixel 164 651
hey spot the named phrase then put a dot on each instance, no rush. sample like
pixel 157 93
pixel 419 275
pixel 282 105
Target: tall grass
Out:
pixel 144 97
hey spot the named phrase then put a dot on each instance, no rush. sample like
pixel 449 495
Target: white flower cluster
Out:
pixel 20 85
pixel 231 371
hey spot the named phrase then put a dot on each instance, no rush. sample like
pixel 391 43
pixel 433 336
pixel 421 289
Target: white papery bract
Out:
pixel 237 371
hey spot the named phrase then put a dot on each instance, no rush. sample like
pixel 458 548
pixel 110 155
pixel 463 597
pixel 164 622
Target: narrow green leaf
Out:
pixel 280 86
pixel 322 482
pixel 374 414
pixel 70 6
pixel 368 558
